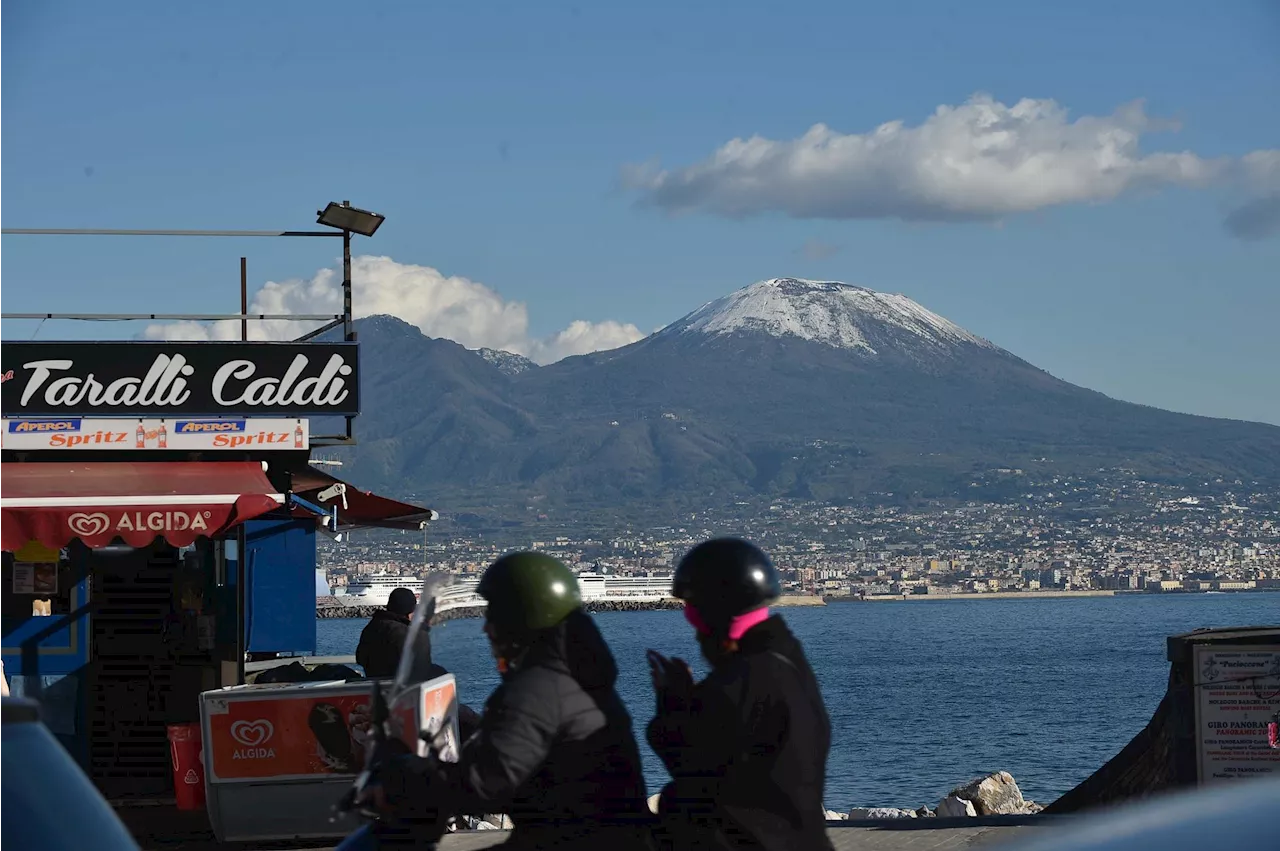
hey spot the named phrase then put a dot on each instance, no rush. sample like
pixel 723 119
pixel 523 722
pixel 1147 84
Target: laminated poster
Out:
pixel 38 578
pixel 1238 691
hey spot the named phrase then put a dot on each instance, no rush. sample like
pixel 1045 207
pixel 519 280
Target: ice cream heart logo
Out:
pixel 251 734
pixel 88 524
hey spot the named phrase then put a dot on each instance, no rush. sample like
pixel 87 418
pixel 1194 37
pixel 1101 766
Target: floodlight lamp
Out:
pixel 348 218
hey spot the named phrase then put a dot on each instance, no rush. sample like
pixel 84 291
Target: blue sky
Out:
pixel 497 139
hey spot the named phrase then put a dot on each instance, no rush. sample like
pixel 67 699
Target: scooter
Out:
pixel 423 828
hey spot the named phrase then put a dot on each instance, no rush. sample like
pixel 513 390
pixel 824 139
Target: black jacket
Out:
pixel 555 750
pixel 381 643
pixel 748 755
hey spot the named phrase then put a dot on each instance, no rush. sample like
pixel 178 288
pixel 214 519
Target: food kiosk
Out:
pixel 159 523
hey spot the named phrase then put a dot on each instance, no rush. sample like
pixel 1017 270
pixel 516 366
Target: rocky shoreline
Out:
pixel 330 607
pixel 994 794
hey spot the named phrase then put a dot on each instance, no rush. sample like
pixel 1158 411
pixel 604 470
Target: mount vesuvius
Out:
pixel 809 389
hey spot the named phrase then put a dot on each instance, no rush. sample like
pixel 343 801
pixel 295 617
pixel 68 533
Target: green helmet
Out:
pixel 527 592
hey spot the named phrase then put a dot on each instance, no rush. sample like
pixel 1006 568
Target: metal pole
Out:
pixel 242 576
pixel 346 285
pixel 111 232
pixel 349 333
pixel 244 297
pixel 346 282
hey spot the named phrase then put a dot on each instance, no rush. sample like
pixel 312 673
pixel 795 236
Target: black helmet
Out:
pixel 726 577
pixel 527 592
pixel 402 602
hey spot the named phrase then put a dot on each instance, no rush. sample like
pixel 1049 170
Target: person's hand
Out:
pixel 679 682
pixel 672 681
pixel 657 669
pixel 359 722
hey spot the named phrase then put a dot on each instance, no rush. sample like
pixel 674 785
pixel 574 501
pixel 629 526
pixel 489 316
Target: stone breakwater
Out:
pixel 329 607
pixel 325 609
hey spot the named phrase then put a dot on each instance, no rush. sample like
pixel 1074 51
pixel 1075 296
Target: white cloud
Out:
pixel 455 308
pixel 979 161
pixel 581 338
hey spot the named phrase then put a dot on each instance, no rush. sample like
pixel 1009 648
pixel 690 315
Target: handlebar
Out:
pixel 423 825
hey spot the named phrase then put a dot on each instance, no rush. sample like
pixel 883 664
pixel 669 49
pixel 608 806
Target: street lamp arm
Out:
pixel 110 232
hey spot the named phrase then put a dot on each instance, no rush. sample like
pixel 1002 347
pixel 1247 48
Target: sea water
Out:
pixel 926 694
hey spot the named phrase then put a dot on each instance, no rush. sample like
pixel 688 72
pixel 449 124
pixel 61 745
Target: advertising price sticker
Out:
pixel 1237 693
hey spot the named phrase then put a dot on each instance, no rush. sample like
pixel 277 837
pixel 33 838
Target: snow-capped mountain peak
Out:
pixel 507 362
pixel 828 312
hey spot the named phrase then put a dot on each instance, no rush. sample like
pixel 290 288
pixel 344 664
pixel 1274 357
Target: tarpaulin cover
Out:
pixel 361 508
pixel 55 502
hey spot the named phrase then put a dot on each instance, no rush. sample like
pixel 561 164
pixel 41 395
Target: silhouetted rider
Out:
pixel 746 747
pixel 554 748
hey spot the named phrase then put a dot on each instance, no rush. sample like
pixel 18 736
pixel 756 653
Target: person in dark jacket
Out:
pixel 746 747
pixel 554 748
pixel 382 641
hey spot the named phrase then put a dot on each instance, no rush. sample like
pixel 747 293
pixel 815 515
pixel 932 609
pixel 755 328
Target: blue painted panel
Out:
pixel 50 646
pixel 280 602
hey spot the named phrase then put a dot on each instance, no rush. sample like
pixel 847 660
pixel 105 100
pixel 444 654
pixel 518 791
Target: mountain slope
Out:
pixel 508 362
pixel 430 408
pixel 787 387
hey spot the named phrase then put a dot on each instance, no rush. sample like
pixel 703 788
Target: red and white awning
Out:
pixel 56 502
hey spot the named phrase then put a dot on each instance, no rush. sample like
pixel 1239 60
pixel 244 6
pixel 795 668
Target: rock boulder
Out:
pixel 994 795
pixel 954 807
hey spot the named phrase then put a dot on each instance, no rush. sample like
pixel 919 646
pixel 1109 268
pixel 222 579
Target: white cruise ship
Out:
pixel 374 589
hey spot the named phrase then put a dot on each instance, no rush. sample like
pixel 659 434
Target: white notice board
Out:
pixel 1232 711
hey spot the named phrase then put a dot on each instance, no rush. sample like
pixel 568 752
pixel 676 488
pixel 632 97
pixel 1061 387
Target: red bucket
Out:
pixel 188 770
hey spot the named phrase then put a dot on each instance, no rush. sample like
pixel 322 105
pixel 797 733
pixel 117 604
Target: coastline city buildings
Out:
pixel 1114 532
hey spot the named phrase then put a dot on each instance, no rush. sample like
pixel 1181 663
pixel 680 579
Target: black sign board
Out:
pixel 151 379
